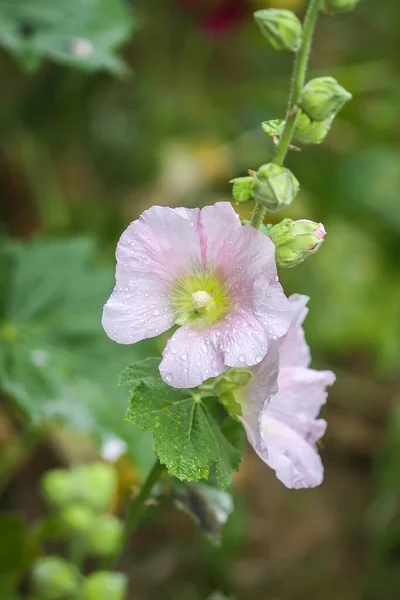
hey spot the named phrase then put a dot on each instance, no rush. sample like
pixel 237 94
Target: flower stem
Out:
pixel 135 510
pixel 297 84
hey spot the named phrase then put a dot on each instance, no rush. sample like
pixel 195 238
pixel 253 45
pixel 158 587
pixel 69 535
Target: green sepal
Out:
pixel 242 189
pixel 307 131
pixel 191 431
pixel 273 127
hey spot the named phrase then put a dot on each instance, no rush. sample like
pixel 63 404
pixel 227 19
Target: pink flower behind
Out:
pixel 282 403
pixel 205 271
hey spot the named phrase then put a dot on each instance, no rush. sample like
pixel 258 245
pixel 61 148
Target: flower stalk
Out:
pixel 135 510
pixel 298 80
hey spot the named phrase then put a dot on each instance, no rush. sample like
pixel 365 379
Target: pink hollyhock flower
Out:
pixel 282 403
pixel 203 270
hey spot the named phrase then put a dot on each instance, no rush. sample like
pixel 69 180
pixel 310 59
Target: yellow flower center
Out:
pixel 200 299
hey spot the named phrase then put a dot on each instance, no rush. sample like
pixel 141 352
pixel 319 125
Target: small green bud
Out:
pixel 307 131
pixel 56 487
pixel 105 585
pixel 53 578
pixel 94 484
pixel 274 186
pixel 323 97
pixel 280 27
pixel 340 5
pixel 242 189
pixel 78 518
pixel 296 240
pixel 105 536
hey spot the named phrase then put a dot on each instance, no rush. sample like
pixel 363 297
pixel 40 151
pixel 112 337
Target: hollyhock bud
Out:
pixel 307 131
pixel 53 578
pixel 280 27
pixel 78 518
pixel 296 240
pixel 340 5
pixel 105 586
pixel 274 186
pixel 323 97
pixel 105 536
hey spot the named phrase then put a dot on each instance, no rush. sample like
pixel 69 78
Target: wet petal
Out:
pixel 217 223
pixel 149 256
pixel 296 463
pixel 293 346
pixel 263 385
pixel 243 340
pixel 191 357
pixel 136 313
pixel 271 307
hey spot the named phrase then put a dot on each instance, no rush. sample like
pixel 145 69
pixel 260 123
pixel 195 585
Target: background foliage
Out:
pixel 83 153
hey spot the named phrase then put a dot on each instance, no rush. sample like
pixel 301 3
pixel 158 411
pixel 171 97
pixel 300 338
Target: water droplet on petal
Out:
pixel 258 358
pixel 184 356
pixel 204 349
pixel 169 377
pixel 242 358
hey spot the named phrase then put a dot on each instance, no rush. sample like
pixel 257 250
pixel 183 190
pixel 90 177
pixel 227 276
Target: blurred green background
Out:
pixel 87 142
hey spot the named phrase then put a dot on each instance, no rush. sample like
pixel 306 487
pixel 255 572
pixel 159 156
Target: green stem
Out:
pixel 298 80
pixel 135 510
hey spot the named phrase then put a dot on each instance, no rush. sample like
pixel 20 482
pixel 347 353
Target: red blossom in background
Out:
pixel 218 16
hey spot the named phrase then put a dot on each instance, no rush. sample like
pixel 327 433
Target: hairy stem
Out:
pixel 297 84
pixel 135 510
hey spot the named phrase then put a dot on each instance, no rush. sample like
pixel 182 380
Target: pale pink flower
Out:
pixel 205 271
pixel 281 405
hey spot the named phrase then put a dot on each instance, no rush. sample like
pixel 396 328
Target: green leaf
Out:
pixel 191 433
pixel 76 33
pixel 273 127
pixel 208 506
pixel 56 362
pixel 242 189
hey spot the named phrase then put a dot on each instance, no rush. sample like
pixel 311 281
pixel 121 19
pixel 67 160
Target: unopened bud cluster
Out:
pixel 80 499
pixel 311 117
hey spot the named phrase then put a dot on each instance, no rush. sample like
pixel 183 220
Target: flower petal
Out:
pixel 293 346
pixel 296 463
pixel 263 385
pixel 149 256
pixel 152 245
pixel 190 357
pixel 131 315
pixel 243 340
pixel 271 307
pixel 301 391
pixel 216 224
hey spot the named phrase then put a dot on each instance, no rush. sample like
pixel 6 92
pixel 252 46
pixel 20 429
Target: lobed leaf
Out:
pixel 191 434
